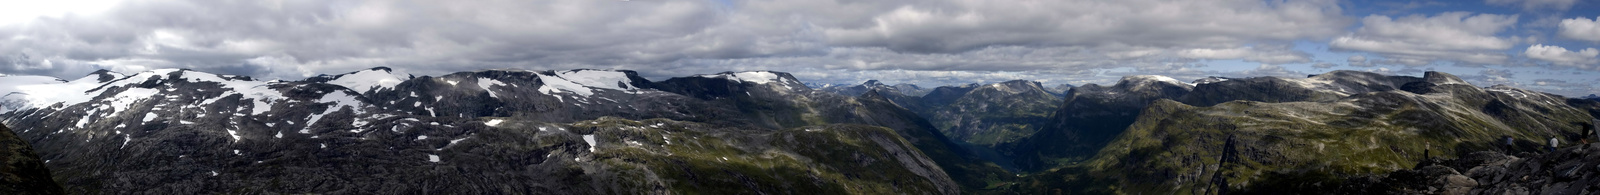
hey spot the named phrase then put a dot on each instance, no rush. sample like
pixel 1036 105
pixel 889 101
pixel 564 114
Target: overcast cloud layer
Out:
pixel 932 43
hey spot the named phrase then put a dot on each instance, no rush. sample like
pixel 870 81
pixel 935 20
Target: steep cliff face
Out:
pixel 21 170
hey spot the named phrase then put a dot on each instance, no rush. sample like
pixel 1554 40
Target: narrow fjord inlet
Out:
pixel 800 97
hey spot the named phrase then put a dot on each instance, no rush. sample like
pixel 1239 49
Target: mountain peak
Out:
pixel 376 78
pixel 872 83
pixel 1020 82
pixel 1442 78
pixel 757 77
pixel 1017 86
pixel 1156 78
pixel 873 94
pixel 106 75
pixel 1210 79
pixel 1144 81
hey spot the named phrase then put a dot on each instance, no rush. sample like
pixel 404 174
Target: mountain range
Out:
pixel 611 131
pixel 1275 135
pixel 982 114
pixel 382 131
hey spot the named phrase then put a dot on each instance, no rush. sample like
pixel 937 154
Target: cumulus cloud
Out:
pixel 1420 40
pixel 1536 5
pixel 1581 29
pixel 1584 59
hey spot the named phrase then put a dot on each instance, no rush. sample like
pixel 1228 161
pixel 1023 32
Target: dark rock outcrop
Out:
pixel 1570 170
pixel 21 171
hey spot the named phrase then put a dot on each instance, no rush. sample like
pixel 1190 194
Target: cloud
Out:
pixel 912 41
pixel 1548 82
pixel 943 27
pixel 1581 29
pixel 1489 77
pixel 290 39
pixel 1271 55
pixel 1420 40
pixel 1273 70
pixel 1359 61
pixel 1569 88
pixel 1324 65
pixel 1583 59
pixel 328 37
pixel 1535 5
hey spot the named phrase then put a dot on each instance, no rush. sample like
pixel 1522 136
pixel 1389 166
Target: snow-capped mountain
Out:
pixel 183 131
pixel 905 89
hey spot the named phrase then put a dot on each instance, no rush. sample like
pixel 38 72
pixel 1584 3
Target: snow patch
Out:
pixel 485 83
pixel 234 134
pixel 433 158
pixel 590 139
pixel 555 84
pixel 122 101
pixel 599 79
pixel 260 92
pixel 340 101
pixel 85 119
pixel 368 80
pixel 22 92
pixel 758 77
pixel 1159 78
pixel 454 141
pixel 494 123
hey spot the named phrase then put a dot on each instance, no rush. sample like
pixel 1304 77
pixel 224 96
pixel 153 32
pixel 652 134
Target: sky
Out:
pixel 1545 45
